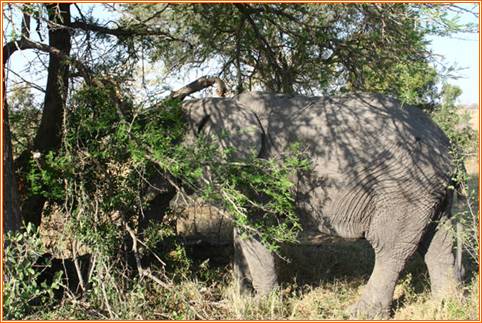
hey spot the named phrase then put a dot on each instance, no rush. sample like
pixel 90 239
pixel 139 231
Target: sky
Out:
pixel 463 54
pixel 460 51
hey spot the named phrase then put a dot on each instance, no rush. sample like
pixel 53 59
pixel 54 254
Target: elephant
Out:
pixel 381 171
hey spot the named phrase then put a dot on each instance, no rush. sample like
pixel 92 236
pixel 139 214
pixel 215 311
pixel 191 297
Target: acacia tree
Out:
pixel 301 48
pixel 55 21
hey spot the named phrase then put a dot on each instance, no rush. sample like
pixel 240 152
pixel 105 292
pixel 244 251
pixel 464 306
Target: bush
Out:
pixel 99 178
pixel 107 163
pixel 463 140
pixel 23 294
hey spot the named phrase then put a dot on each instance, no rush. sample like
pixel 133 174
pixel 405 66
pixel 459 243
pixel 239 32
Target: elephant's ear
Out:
pixel 234 128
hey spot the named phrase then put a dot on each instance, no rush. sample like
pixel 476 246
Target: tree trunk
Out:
pixel 49 134
pixel 12 218
pixel 11 210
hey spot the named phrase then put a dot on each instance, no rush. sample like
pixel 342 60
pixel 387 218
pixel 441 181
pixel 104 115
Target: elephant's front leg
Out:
pixel 254 265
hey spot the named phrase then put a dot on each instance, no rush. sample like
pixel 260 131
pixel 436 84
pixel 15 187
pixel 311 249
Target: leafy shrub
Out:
pixel 454 124
pixel 22 292
pixel 107 162
pixel 463 140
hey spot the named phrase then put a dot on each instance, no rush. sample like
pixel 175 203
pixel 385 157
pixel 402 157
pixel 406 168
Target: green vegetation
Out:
pixel 463 139
pixel 24 293
pixel 304 48
pixel 100 142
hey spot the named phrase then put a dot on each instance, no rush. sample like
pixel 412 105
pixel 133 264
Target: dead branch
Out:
pixel 84 71
pixel 198 85
pixel 77 265
pixel 140 269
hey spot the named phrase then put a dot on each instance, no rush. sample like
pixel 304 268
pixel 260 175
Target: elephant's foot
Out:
pixel 244 287
pixel 254 265
pixel 368 311
pixel 265 287
pixel 447 290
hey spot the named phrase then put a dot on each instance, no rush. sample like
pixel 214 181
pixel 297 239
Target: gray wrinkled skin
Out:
pixel 380 172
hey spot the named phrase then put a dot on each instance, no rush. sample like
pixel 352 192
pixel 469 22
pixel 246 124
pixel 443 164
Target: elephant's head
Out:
pixel 227 123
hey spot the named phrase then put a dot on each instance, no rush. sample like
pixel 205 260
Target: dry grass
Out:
pixel 330 300
pixel 423 307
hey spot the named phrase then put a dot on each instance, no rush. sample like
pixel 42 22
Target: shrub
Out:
pixel 463 140
pixel 23 265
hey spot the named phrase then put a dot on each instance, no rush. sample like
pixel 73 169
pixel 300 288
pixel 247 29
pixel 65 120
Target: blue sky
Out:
pixel 463 54
pixel 461 51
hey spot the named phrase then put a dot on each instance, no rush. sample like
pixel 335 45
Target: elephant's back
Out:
pixel 349 132
pixel 358 142
pixel 366 150
pixel 343 135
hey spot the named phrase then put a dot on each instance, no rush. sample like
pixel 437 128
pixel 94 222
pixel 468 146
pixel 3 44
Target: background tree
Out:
pixel 48 134
pixel 303 48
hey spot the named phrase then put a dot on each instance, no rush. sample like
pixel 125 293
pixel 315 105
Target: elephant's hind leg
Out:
pixel 394 243
pixel 377 295
pixel 254 265
pixel 437 249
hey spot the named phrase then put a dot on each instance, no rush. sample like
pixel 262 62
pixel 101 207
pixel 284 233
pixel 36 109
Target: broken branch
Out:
pixel 198 85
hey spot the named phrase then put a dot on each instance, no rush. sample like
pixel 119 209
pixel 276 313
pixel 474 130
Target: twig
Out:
pixel 147 272
pixel 92 266
pixel 77 265
pixel 106 300
pixel 140 269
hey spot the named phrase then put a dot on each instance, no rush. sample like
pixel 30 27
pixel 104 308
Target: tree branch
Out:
pixel 265 46
pixel 25 43
pixel 120 32
pixel 198 85
pixel 84 70
pixel 26 23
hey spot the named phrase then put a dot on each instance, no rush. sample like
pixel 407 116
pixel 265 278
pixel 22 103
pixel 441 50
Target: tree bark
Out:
pixel 49 134
pixel 280 80
pixel 12 218
pixel 198 85
pixel 11 207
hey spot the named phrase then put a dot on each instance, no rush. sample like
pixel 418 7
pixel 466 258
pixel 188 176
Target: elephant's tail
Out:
pixel 459 193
